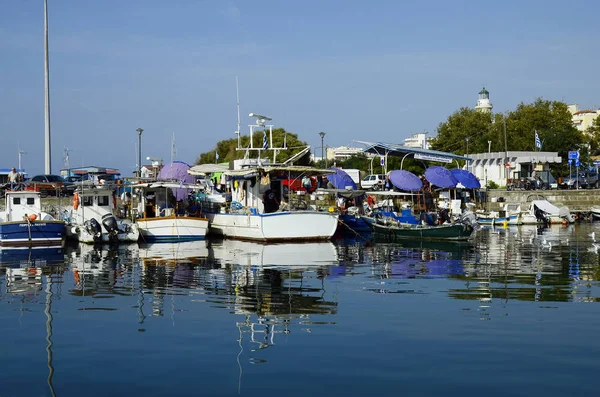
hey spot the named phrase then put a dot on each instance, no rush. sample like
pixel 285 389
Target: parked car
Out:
pixel 51 185
pixel 373 181
pixel 74 178
pixel 580 180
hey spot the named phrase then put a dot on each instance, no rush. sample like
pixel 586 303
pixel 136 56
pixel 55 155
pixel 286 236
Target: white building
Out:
pixel 483 103
pixel 498 166
pixel 582 119
pixel 342 152
pixel 417 140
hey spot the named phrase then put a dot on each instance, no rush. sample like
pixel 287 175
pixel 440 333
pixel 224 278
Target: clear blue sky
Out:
pixel 357 70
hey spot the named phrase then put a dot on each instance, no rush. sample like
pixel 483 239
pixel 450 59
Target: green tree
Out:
pixel 227 148
pixel 467 129
pixel 593 133
pixel 514 131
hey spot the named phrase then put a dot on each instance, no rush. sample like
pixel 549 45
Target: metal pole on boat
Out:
pixel 48 160
pixel 139 131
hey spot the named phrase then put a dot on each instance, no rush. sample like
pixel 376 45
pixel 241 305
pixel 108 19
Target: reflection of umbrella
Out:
pixel 405 180
pixel 340 180
pixel 177 170
pixel 440 176
pixel 466 178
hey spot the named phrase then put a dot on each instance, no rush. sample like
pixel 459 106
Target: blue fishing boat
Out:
pixel 24 224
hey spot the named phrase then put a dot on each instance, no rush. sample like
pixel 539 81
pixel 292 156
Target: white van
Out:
pixel 374 182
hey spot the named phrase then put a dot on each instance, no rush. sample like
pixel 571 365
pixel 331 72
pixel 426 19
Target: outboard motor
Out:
pixel 112 227
pixel 468 218
pixel 541 215
pixel 93 227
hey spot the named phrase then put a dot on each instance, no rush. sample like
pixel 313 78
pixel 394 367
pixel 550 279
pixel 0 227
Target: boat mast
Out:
pixel 48 160
pixel 237 94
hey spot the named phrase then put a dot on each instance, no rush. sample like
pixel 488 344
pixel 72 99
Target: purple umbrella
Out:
pixel 177 172
pixel 405 180
pixel 440 176
pixel 466 178
pixel 340 180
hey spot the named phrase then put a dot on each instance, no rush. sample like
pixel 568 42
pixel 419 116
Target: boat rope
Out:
pixel 353 231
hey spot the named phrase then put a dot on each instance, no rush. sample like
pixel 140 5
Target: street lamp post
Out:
pixel 139 131
pixel 322 134
pixel 489 146
pixel 467 153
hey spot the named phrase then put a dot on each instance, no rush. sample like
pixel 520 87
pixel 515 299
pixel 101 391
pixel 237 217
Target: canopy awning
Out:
pixel 203 169
pixel 392 149
pixel 294 169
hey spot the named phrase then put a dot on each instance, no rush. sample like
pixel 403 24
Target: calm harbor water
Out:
pixel 514 313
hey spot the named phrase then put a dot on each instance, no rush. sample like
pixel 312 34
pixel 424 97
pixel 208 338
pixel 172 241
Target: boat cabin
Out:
pixel 93 203
pixel 23 204
pixel 165 199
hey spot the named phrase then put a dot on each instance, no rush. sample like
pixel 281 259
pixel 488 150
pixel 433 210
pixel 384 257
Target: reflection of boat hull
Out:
pixel 32 233
pixel 275 227
pixel 31 255
pixel 172 253
pixel 454 231
pixel 246 253
pixel 173 228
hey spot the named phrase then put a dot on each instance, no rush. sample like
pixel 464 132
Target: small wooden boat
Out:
pixel 451 231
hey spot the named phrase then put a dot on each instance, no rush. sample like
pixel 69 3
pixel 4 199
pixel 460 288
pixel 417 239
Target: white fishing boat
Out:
pixel 256 207
pixel 23 223
pixel 164 218
pixel 542 211
pixel 92 218
pixel 259 211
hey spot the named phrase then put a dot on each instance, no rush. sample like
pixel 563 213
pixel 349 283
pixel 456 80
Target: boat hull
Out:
pixel 32 233
pixel 499 221
pixel 77 233
pixel 455 231
pixel 173 228
pixel 275 227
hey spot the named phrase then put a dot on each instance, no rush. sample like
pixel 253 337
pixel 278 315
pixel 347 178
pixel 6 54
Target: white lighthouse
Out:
pixel 483 103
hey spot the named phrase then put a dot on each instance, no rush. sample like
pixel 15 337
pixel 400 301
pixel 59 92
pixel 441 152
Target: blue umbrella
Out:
pixel 466 178
pixel 340 179
pixel 440 176
pixel 405 180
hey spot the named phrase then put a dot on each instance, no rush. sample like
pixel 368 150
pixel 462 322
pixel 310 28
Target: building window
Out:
pixel 17 200
pixel 30 201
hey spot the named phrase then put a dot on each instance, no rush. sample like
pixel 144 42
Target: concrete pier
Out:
pixel 577 200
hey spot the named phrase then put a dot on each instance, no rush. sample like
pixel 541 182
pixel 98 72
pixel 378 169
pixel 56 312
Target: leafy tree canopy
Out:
pixel 227 149
pixel 551 119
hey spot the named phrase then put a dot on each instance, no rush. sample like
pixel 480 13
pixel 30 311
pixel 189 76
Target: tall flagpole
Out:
pixel 48 161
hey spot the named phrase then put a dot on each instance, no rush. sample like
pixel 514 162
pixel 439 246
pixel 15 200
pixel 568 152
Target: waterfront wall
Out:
pixel 576 200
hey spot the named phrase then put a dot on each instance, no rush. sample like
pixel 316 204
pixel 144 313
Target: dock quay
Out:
pixel 577 200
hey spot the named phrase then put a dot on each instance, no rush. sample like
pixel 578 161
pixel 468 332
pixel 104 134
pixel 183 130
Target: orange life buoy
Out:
pixel 32 217
pixel 75 201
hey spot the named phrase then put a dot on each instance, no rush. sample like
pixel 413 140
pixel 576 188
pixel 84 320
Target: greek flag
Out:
pixel 265 144
pixel 538 142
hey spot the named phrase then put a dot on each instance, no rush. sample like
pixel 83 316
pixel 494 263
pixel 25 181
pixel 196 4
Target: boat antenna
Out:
pixel 173 148
pixel 237 95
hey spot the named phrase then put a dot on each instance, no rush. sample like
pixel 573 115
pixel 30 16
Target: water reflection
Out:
pixel 264 295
